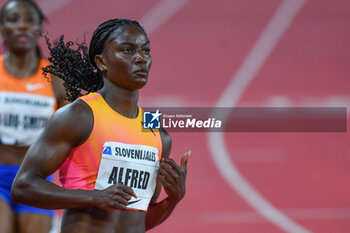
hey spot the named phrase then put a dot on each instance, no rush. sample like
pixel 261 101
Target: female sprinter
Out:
pixel 111 170
pixel 27 100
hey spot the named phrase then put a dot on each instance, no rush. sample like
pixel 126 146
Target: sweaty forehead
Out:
pixel 129 34
pixel 19 7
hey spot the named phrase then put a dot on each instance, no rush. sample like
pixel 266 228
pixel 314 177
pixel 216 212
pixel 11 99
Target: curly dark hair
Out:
pixel 77 66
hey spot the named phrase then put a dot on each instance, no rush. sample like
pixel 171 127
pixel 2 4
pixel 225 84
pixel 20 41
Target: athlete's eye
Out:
pixel 127 50
pixel 146 51
pixel 12 18
pixel 30 19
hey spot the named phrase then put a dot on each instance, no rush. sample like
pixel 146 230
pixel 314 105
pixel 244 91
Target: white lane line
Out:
pixel 51 6
pixel 160 13
pixel 278 24
pixel 261 50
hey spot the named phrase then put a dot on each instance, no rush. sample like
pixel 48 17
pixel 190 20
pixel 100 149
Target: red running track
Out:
pixel 196 52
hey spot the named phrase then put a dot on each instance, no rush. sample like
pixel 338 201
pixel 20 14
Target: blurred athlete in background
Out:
pixel 27 100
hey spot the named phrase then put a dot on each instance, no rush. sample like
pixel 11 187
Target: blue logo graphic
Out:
pixel 151 120
pixel 107 151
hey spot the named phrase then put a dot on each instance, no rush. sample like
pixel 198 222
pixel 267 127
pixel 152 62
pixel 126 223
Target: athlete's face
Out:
pixel 126 58
pixel 21 27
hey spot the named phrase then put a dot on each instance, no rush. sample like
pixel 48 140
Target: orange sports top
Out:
pixel 118 150
pixel 25 105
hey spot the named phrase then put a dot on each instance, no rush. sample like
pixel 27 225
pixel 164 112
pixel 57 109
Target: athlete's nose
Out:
pixel 140 57
pixel 22 24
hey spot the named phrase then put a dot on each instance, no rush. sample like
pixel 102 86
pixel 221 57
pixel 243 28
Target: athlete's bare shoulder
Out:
pixel 73 121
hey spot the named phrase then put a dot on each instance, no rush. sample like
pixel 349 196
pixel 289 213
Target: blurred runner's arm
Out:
pixel 58 89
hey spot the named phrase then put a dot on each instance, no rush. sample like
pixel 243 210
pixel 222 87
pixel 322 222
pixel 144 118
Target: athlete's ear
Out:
pixel 2 34
pixel 41 30
pixel 100 63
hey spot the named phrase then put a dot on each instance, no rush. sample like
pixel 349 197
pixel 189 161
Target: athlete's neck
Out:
pixel 120 100
pixel 22 65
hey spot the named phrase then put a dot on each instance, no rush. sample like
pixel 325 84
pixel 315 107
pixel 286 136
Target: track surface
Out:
pixel 197 47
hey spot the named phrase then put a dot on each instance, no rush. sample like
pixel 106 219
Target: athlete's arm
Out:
pixel 68 127
pixel 173 179
pixel 59 91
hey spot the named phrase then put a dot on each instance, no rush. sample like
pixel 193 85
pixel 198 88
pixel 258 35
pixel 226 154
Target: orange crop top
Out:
pixel 118 150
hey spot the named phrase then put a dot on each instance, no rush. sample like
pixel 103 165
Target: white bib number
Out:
pixel 133 165
pixel 23 116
